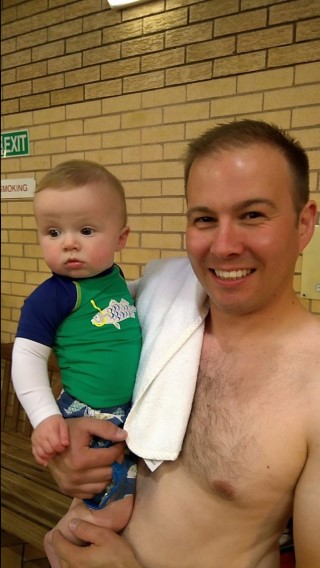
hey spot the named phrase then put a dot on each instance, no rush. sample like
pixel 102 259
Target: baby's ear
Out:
pixel 122 240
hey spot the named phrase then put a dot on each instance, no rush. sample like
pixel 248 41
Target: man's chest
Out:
pixel 246 427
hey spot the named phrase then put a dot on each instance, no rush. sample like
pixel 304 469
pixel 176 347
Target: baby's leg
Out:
pixel 115 516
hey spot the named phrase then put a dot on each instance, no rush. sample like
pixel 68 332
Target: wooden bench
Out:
pixel 30 499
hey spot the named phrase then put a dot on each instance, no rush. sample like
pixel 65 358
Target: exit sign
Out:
pixel 15 144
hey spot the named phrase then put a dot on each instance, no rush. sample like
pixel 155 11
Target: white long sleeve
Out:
pixel 31 380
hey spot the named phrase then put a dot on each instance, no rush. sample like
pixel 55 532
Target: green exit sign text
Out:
pixel 14 144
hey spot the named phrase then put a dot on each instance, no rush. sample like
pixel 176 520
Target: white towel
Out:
pixel 172 307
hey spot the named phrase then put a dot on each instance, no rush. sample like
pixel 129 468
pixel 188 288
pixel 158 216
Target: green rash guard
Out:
pixel 98 345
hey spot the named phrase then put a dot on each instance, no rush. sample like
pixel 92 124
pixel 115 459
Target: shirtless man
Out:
pixel 251 454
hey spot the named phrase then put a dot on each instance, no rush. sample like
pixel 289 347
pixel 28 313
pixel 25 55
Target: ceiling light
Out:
pixel 124 3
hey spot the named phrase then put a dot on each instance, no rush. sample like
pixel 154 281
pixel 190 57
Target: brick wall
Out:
pixel 129 88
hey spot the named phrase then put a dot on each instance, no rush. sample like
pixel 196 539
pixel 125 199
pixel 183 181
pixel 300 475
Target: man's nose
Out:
pixel 226 240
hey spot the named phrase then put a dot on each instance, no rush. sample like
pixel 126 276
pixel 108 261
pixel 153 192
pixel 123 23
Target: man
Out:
pixel 251 454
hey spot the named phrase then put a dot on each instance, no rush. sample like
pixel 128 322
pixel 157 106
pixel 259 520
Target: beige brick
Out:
pixel 34 278
pixel 158 134
pixel 145 223
pixel 101 54
pixel 163 205
pixel 142 153
pixel 101 124
pixel 12 222
pixel 122 32
pixel 31 71
pixel 172 254
pixel 261 39
pixel 173 187
pixel 88 40
pixel 131 271
pixel 174 150
pixel 31 39
pixel 133 240
pixel 29 8
pixel 29 223
pixel 314 159
pixel 211 89
pixel 16 59
pixel 8 45
pixel 211 49
pixel 121 138
pixel 294 10
pixel 49 83
pixel 81 8
pixel 282 117
pixel 34 101
pixel 12 275
pixel 305 116
pixel 64 63
pixel 57 158
pixel 188 73
pixel 18 207
pixel 83 110
pixel 44 117
pixel 8 14
pixel 38 163
pixel 296 96
pixel 50 146
pixel 315 306
pixel 127 172
pixel 140 118
pixel 82 76
pixel 161 170
pixel 240 22
pixel 239 64
pixel 161 241
pixel 141 188
pixel 7 167
pixel 87 142
pixel 194 111
pixel 66 128
pixel 206 10
pixel 9 107
pixel 16 28
pixel 308 29
pixel 174 223
pixel 142 45
pixel 106 158
pixel 307 73
pixel 64 30
pixel 237 105
pixel 139 256
pixel 308 137
pixel 163 97
pixel 65 96
pixel 123 103
pixel 297 53
pixel 48 50
pixel 133 205
pixel 152 80
pixel 49 17
pixel 9 76
pixel 102 19
pixel 164 59
pixel 23 264
pixel 19 90
pixel 22 289
pixel 16 236
pixel 32 251
pixel 103 89
pixel 173 19
pixel 265 80
pixel 189 34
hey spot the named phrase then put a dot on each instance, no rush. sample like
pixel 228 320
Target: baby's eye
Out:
pixel 54 233
pixel 87 231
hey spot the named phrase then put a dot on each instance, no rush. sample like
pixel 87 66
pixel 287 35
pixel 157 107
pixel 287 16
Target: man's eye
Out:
pixel 253 215
pixel 87 231
pixel 54 233
pixel 205 220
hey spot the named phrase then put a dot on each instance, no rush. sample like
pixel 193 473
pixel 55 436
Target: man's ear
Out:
pixel 307 221
pixel 122 240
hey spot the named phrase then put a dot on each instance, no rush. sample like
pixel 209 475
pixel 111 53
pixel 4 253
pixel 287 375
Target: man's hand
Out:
pixel 81 471
pixel 105 548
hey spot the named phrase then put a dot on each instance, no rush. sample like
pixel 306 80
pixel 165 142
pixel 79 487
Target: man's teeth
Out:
pixel 233 274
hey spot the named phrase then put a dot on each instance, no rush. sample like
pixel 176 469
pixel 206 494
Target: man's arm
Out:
pixel 306 512
pixel 106 549
pixel 81 471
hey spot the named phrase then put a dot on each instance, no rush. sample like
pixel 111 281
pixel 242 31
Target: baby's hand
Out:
pixel 49 438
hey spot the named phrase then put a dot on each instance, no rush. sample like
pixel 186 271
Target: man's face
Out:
pixel 243 236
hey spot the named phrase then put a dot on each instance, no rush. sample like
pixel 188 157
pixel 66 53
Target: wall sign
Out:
pixel 18 188
pixel 15 144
